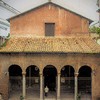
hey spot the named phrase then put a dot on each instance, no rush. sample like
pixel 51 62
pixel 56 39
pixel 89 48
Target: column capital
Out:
pixel 76 74
pixel 23 73
pixel 59 73
pixel 41 73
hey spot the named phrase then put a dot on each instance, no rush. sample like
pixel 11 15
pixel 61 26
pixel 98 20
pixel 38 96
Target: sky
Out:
pixel 86 8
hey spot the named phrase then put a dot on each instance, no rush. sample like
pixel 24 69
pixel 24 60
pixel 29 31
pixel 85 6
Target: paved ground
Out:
pixel 67 97
pixel 34 95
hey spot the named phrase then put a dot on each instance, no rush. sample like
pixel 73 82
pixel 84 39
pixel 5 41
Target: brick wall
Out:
pixel 4 87
pixel 57 60
pixel 33 22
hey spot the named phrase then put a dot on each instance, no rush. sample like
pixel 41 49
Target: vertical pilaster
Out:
pixel 76 85
pixel 41 86
pixel 58 86
pixel 24 84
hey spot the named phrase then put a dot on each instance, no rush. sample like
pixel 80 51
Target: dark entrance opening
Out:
pixel 32 74
pixel 15 80
pixel 32 82
pixel 84 82
pixel 67 82
pixel 50 74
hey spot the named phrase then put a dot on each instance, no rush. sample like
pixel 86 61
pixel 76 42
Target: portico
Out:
pixel 61 80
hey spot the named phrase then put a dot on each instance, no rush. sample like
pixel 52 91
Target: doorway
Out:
pixel 50 74
pixel 15 81
pixel 67 82
pixel 84 82
pixel 32 82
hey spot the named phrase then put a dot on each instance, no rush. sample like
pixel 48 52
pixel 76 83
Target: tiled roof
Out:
pixel 28 43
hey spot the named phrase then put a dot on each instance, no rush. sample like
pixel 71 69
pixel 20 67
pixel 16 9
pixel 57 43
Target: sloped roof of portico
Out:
pixel 76 43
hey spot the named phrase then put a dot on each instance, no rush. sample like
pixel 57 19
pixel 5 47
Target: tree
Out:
pixel 95 30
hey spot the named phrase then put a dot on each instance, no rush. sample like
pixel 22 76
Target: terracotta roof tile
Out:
pixel 51 44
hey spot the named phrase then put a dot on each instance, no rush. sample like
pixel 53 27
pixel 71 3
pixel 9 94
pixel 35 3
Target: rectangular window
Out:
pixel 49 29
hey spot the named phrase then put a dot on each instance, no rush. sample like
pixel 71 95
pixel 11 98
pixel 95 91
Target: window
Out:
pixel 49 29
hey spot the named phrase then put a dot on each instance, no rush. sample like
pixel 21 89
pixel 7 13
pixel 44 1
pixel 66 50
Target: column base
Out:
pixel 58 98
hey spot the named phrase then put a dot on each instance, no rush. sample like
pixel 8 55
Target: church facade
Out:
pixel 50 46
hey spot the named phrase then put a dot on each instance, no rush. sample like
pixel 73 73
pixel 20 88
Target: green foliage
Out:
pixel 6 40
pixel 4 44
pixel 79 96
pixel 92 29
pixel 8 35
pixel 21 98
pixel 95 30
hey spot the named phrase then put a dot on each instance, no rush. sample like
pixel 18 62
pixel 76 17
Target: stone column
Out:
pixel 76 85
pixel 58 86
pixel 41 86
pixel 1 96
pixel 24 84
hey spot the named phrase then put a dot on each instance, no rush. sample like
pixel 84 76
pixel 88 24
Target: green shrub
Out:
pixel 4 44
pixel 79 96
pixel 95 30
pixel 6 40
pixel 21 98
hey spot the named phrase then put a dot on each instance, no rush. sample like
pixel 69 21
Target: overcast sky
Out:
pixel 86 8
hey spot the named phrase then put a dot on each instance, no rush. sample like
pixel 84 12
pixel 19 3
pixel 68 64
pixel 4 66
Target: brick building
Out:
pixel 50 46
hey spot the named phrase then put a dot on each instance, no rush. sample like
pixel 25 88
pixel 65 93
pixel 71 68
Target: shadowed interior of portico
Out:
pixel 50 78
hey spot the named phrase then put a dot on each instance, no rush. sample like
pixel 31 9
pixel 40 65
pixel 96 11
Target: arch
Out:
pixel 88 65
pixel 32 81
pixel 49 64
pixel 50 73
pixel 67 81
pixel 15 70
pixel 67 71
pixel 85 71
pixel 85 81
pixel 12 64
pixel 15 79
pixel 32 70
pixel 51 67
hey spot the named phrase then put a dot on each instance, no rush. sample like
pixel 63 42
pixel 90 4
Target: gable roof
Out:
pixel 27 43
pixel 48 3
